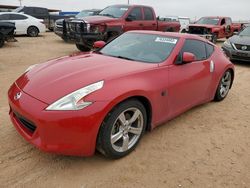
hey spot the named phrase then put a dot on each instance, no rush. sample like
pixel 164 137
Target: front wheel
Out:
pixel 83 48
pixel 224 86
pixel 122 129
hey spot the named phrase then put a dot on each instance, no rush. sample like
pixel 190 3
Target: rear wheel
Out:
pixel 122 129
pixel 83 48
pixel 224 86
pixel 214 38
pixel 33 31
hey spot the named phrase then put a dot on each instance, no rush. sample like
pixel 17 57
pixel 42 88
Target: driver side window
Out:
pixel 223 21
pixel 195 47
pixel 136 13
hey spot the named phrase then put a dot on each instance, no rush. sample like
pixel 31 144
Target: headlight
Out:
pixel 227 44
pixel 31 67
pixel 75 100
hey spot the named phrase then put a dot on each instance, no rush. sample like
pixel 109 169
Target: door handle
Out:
pixel 141 25
pixel 153 24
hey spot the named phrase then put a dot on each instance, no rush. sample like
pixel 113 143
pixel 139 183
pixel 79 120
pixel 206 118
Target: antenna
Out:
pixel 20 1
pixel 128 2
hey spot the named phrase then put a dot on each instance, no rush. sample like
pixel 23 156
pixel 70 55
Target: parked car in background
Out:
pixel 238 46
pixel 107 99
pixel 184 21
pixel 113 21
pixel 7 30
pixel 25 24
pixel 60 27
pixel 41 13
pixel 213 28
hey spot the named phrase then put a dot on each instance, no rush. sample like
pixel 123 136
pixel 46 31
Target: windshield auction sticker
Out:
pixel 166 40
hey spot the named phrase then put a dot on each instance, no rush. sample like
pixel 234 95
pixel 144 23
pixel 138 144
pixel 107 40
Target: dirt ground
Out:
pixel 208 146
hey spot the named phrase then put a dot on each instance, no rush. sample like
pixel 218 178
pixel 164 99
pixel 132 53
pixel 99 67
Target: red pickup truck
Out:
pixel 113 21
pixel 213 28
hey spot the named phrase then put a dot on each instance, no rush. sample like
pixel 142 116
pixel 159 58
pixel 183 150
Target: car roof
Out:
pixel 29 16
pixel 171 34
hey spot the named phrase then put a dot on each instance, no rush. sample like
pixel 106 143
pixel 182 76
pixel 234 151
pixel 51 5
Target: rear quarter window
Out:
pixel 209 49
pixel 196 47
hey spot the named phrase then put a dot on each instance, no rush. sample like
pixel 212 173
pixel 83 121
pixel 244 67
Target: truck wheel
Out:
pixel 1 40
pixel 82 48
pixel 33 31
pixel 214 38
pixel 170 29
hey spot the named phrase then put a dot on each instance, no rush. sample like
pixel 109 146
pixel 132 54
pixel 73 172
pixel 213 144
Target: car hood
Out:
pixel 50 81
pixel 237 39
pixel 202 25
pixel 98 19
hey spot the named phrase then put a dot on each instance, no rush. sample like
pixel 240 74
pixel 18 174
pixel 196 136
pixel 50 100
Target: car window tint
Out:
pixel 209 49
pixel 4 17
pixel 17 17
pixel 148 14
pixel 40 11
pixel 196 47
pixel 136 13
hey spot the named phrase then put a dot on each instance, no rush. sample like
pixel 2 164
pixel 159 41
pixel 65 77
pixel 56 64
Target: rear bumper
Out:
pixel 68 132
pixel 237 55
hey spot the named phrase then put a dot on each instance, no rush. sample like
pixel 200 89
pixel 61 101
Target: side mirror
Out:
pixel 130 18
pixel 99 44
pixel 188 57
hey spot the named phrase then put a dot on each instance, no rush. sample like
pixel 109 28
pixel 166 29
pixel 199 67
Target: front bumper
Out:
pixel 61 132
pixel 237 55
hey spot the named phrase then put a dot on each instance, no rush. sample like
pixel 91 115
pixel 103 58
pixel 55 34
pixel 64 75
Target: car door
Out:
pixel 189 83
pixel 21 23
pixel 150 22
pixel 135 21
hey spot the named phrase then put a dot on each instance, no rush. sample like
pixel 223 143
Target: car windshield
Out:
pixel 114 11
pixel 19 9
pixel 147 48
pixel 209 21
pixel 245 32
pixel 85 13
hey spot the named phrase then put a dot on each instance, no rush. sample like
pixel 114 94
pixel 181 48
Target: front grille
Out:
pixel 198 30
pixel 76 27
pixel 25 123
pixel 242 47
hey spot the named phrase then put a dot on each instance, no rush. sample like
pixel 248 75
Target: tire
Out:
pixel 82 48
pixel 122 129
pixel 32 31
pixel 214 38
pixel 224 86
pixel 1 40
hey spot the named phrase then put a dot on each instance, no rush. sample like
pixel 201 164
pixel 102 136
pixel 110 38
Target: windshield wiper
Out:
pixel 109 15
pixel 122 57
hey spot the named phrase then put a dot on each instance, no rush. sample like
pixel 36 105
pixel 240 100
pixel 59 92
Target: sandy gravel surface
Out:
pixel 208 146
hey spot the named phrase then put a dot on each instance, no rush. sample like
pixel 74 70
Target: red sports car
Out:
pixel 107 99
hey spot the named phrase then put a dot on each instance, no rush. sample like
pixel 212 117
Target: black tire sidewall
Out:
pixel 82 48
pixel 32 28
pixel 218 96
pixel 214 38
pixel 1 40
pixel 106 128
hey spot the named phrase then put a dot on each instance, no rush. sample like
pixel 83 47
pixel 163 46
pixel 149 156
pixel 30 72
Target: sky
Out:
pixel 237 9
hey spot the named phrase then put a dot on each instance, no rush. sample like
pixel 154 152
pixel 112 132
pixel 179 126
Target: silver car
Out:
pixel 238 46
